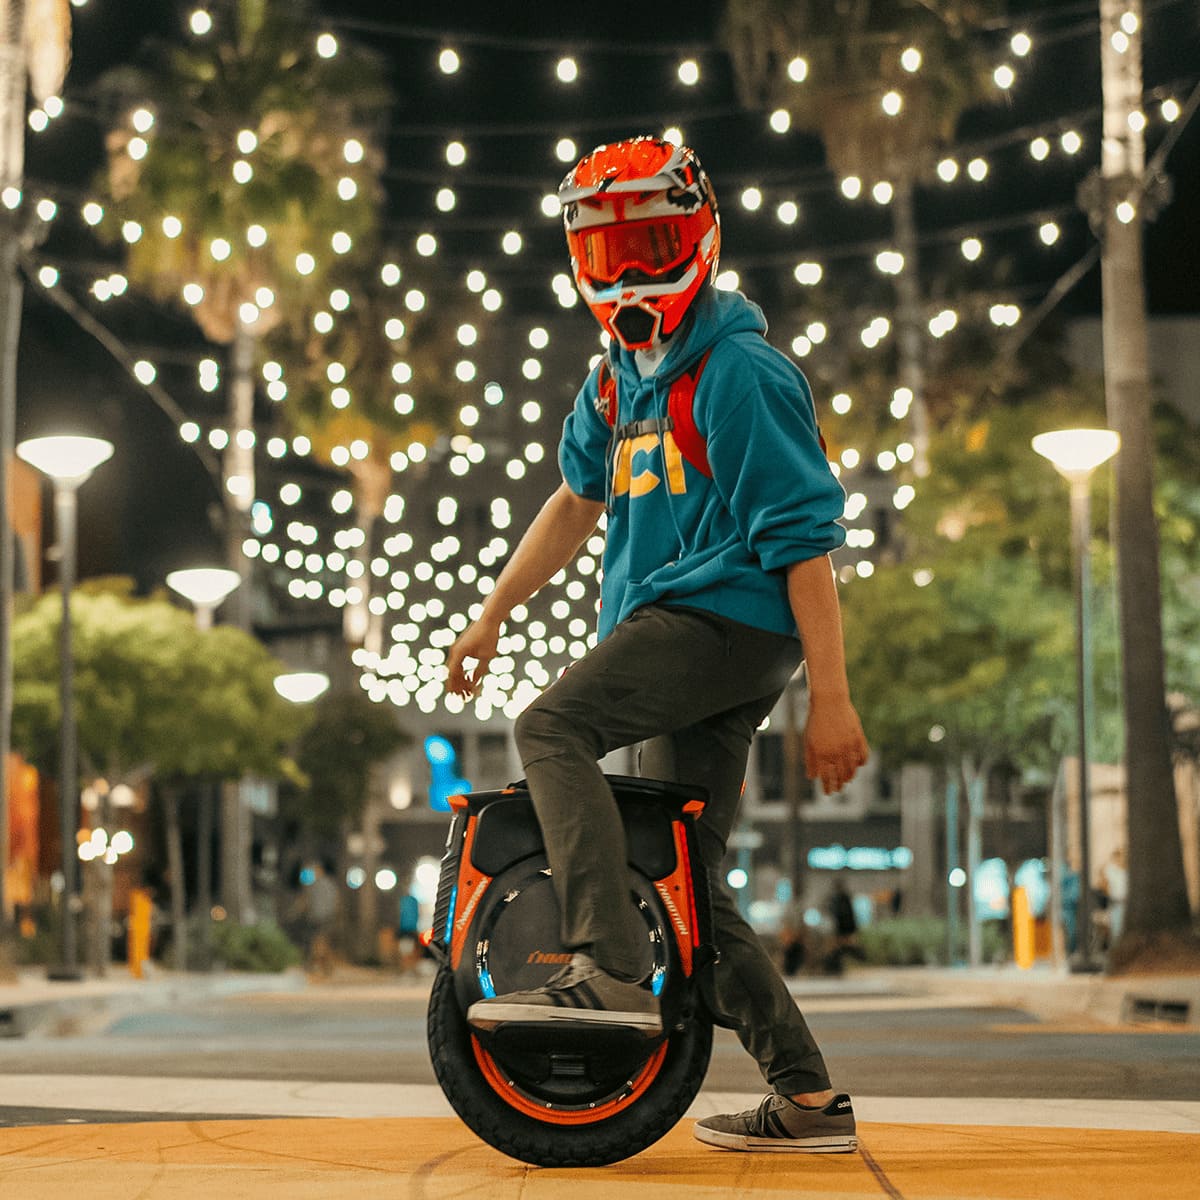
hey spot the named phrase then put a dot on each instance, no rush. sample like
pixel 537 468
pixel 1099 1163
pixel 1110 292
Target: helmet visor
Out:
pixel 653 246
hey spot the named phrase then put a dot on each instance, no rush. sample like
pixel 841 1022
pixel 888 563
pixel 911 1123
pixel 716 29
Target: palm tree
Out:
pixel 243 168
pixel 883 82
pixel 1159 928
pixel 243 171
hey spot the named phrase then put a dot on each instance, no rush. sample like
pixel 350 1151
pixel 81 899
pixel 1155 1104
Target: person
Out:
pixel 320 915
pixel 845 928
pixel 716 584
pixel 1114 885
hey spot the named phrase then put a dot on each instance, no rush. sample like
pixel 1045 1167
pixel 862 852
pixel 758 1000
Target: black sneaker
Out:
pixel 581 991
pixel 780 1125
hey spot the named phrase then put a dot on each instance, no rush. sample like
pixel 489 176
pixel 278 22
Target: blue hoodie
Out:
pixel 675 536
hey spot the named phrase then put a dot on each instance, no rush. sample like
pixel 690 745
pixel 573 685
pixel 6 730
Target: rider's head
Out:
pixel 643 234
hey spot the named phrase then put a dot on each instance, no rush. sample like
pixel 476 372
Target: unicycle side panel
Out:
pixel 493 830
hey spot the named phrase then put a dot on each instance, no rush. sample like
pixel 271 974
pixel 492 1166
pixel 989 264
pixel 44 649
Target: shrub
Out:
pixel 921 941
pixel 261 947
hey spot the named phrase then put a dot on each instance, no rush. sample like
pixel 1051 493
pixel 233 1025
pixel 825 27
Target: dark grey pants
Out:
pixel 692 687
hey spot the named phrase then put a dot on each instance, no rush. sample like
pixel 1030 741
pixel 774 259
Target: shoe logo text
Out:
pixel 538 956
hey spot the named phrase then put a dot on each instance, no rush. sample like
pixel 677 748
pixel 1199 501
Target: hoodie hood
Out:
pixel 715 314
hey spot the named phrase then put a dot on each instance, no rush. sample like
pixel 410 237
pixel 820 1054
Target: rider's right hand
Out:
pixel 478 643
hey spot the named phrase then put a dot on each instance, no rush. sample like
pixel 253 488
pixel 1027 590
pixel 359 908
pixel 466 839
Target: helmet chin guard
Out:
pixel 643 233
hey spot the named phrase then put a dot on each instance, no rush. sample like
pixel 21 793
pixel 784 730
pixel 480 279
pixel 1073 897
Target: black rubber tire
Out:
pixel 628 1132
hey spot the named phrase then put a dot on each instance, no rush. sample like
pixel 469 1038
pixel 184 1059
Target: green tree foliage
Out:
pixel 348 736
pixel 980 650
pixel 1177 507
pixel 154 696
pixel 974 631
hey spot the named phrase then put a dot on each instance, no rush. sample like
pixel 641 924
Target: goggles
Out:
pixel 653 246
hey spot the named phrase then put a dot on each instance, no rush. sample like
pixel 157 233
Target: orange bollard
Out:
pixel 1022 927
pixel 138 937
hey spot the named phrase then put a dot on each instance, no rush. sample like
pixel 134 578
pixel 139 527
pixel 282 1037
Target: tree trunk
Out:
pixel 1157 911
pixel 179 930
pixel 909 313
pixel 239 497
pixel 975 779
pixel 793 769
pixel 952 854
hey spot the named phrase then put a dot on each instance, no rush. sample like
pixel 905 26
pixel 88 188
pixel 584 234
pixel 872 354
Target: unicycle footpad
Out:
pixel 567 1093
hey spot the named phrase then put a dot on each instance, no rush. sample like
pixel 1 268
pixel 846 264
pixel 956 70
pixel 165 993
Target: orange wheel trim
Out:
pixel 515 1098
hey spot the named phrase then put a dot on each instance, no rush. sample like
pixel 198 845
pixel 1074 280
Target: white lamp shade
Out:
pixel 1076 453
pixel 205 587
pixel 66 458
pixel 301 687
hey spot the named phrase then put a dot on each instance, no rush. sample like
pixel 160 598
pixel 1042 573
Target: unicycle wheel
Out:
pixel 559 1096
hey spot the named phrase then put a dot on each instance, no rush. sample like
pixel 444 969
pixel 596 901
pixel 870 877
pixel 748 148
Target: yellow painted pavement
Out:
pixel 439 1159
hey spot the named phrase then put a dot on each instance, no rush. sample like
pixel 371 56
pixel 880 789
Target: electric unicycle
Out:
pixel 567 1093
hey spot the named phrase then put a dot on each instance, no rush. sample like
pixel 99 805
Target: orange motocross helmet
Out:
pixel 643 234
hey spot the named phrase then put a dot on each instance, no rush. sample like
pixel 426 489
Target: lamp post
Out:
pixel 1075 455
pixel 68 461
pixel 303 687
pixel 205 589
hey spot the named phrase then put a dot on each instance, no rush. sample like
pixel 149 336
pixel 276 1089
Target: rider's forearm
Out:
pixel 549 544
pixel 812 593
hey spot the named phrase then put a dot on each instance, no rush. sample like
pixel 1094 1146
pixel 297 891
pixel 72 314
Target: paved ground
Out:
pixel 96 1096
pixel 422 1157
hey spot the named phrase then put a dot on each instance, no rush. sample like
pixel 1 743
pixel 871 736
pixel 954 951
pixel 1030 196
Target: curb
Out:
pixel 77 1005
pixel 1048 995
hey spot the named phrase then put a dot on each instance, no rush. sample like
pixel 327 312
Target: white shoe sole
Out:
pixel 828 1144
pixel 487 1015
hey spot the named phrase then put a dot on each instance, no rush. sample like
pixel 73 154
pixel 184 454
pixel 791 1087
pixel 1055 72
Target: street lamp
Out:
pixel 1075 454
pixel 68 462
pixel 302 687
pixel 205 588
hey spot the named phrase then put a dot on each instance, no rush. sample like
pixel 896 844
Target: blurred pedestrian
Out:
pixel 845 928
pixel 1114 883
pixel 320 915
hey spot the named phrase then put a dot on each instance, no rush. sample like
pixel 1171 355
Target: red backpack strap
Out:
pixel 606 394
pixel 691 442
pixel 688 438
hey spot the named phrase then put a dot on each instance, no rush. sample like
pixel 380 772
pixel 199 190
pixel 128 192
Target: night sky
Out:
pixel 149 510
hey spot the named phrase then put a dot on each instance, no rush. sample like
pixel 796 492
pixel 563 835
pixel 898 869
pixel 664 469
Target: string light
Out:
pixel 532 453
pixel 752 199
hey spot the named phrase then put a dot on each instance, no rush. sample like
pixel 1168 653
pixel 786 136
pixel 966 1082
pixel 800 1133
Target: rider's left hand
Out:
pixel 834 743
